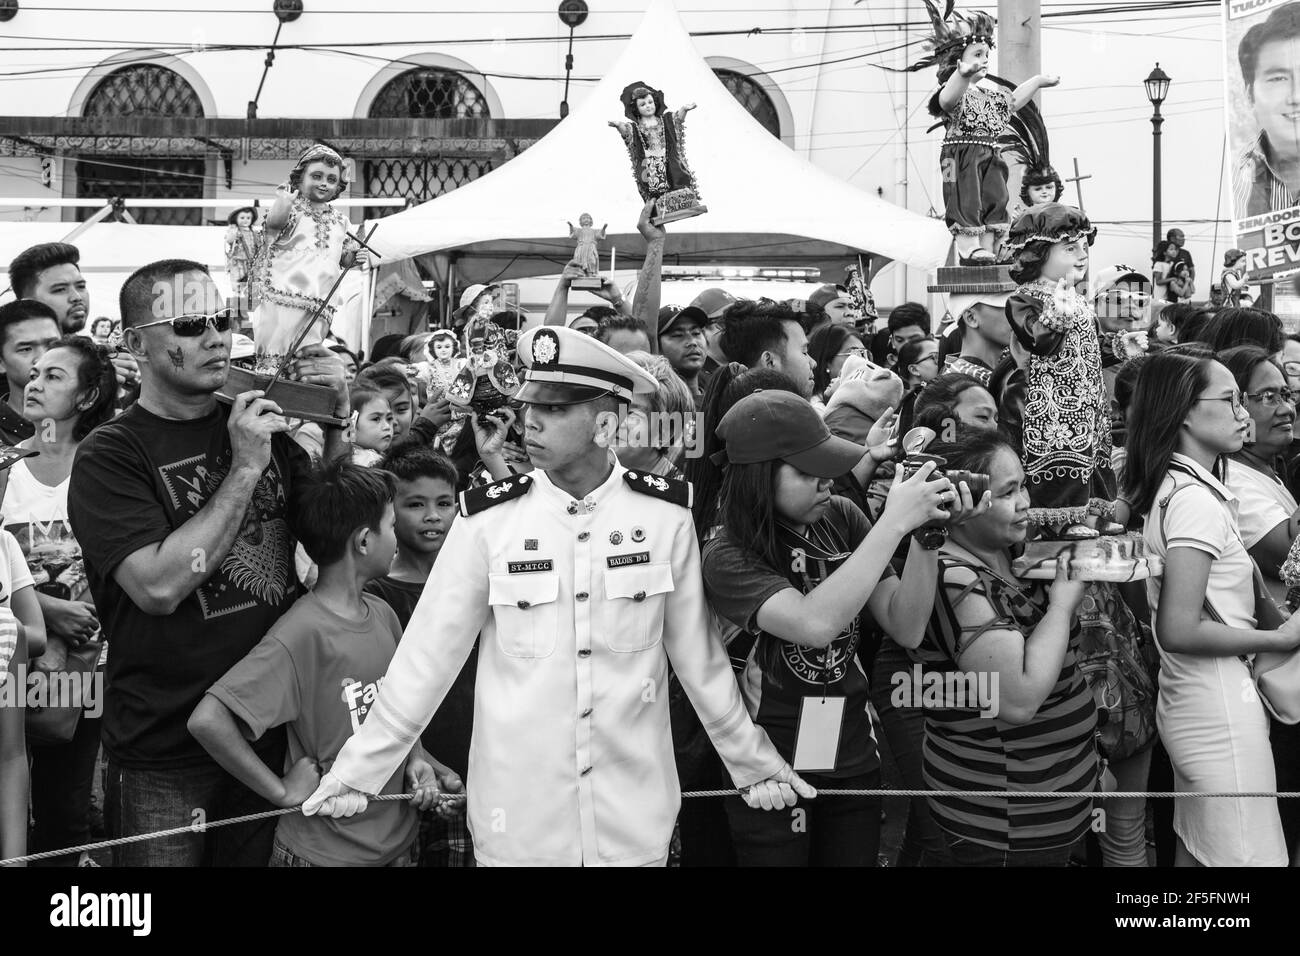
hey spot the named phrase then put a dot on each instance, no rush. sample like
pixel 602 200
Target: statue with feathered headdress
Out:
pixel 977 119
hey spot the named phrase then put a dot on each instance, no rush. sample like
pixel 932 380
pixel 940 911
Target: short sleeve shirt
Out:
pixel 1263 503
pixel 1204 517
pixel 134 481
pixel 779 674
pixel 319 674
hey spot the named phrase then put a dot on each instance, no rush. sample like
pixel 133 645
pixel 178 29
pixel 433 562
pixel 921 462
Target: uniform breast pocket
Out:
pixel 525 610
pixel 632 617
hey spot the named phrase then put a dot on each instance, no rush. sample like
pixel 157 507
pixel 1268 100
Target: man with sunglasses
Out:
pixel 184 506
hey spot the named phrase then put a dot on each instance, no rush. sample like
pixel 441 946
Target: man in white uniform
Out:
pixel 584 581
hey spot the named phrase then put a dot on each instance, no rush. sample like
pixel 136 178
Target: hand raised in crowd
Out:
pixel 74 621
pixel 1066 592
pixel 299 783
pixel 882 441
pixel 253 420
pixel 918 498
pixel 964 507
pixel 334 798
pixel 127 368
pixel 649 231
pixel 317 365
pixel 490 438
pixel 778 791
pixel 437 411
pixel 609 292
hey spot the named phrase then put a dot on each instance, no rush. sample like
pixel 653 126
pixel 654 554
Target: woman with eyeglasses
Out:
pixel 1188 416
pixel 829 348
pixel 1269 518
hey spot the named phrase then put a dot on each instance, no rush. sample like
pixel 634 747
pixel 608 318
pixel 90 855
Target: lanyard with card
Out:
pixel 817 741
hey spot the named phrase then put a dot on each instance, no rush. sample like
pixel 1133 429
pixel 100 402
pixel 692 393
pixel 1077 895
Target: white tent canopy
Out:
pixel 767 205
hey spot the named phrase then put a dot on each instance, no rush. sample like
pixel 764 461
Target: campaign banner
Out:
pixel 1261 42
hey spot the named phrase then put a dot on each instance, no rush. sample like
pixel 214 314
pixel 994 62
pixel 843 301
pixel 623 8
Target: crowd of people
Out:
pixel 689 553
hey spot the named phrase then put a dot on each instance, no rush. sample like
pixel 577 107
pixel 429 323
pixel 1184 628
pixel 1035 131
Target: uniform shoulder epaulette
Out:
pixel 474 500
pixel 675 490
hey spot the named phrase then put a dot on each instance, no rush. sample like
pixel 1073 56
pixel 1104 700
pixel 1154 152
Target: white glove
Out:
pixel 333 798
pixel 778 791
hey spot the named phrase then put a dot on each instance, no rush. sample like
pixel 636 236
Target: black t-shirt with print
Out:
pixel 134 481
pixel 448 734
pixel 779 674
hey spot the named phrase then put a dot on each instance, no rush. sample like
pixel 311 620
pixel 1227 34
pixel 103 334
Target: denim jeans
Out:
pixel 968 853
pixel 828 831
pixel 62 776
pixel 281 855
pixel 145 801
pixel 923 841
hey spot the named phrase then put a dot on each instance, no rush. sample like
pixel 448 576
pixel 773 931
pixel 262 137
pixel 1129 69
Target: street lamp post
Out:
pixel 1157 86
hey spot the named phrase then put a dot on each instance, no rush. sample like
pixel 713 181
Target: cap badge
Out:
pixel 546 347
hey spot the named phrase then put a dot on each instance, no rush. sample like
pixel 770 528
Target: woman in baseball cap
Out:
pixel 793 567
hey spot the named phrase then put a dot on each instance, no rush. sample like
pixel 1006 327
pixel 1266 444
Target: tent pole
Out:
pixel 451 286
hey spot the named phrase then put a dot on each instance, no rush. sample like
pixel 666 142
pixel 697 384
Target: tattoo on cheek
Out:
pixel 177 357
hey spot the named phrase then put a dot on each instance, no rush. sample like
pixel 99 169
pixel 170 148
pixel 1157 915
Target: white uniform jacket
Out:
pixel 581 605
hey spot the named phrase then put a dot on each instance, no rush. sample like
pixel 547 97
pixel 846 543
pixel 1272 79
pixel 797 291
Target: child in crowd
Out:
pixel 425 507
pixel 318 670
pixel 397 389
pixel 372 424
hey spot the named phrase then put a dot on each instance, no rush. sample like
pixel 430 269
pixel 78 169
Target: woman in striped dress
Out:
pixel 1030 725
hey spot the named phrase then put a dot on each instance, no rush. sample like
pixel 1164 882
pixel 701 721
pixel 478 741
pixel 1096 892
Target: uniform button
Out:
pixel 587 712
pixel 584 535
pixel 585 652
pixel 586 770
pixel 524 605
pixel 639 596
pixel 573 507
pixel 581 595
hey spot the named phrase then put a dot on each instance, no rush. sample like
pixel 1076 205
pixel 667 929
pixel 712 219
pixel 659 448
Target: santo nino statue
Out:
pixel 655 141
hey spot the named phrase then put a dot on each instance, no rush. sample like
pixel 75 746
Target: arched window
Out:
pixel 753 98
pixel 144 90
pixel 424 93
pixel 429 93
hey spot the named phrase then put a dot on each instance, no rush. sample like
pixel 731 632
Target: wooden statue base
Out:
pixel 679 214
pixel 1118 558
pixel 315 403
pixel 973 279
pixel 586 283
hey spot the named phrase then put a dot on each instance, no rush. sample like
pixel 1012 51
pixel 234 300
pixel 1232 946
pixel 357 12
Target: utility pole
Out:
pixel 1020 48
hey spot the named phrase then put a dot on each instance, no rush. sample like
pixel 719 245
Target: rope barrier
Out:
pixel 937 794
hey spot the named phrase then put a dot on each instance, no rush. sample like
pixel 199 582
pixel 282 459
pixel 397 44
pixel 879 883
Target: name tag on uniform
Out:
pixel 523 567
pixel 623 560
pixel 817 742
